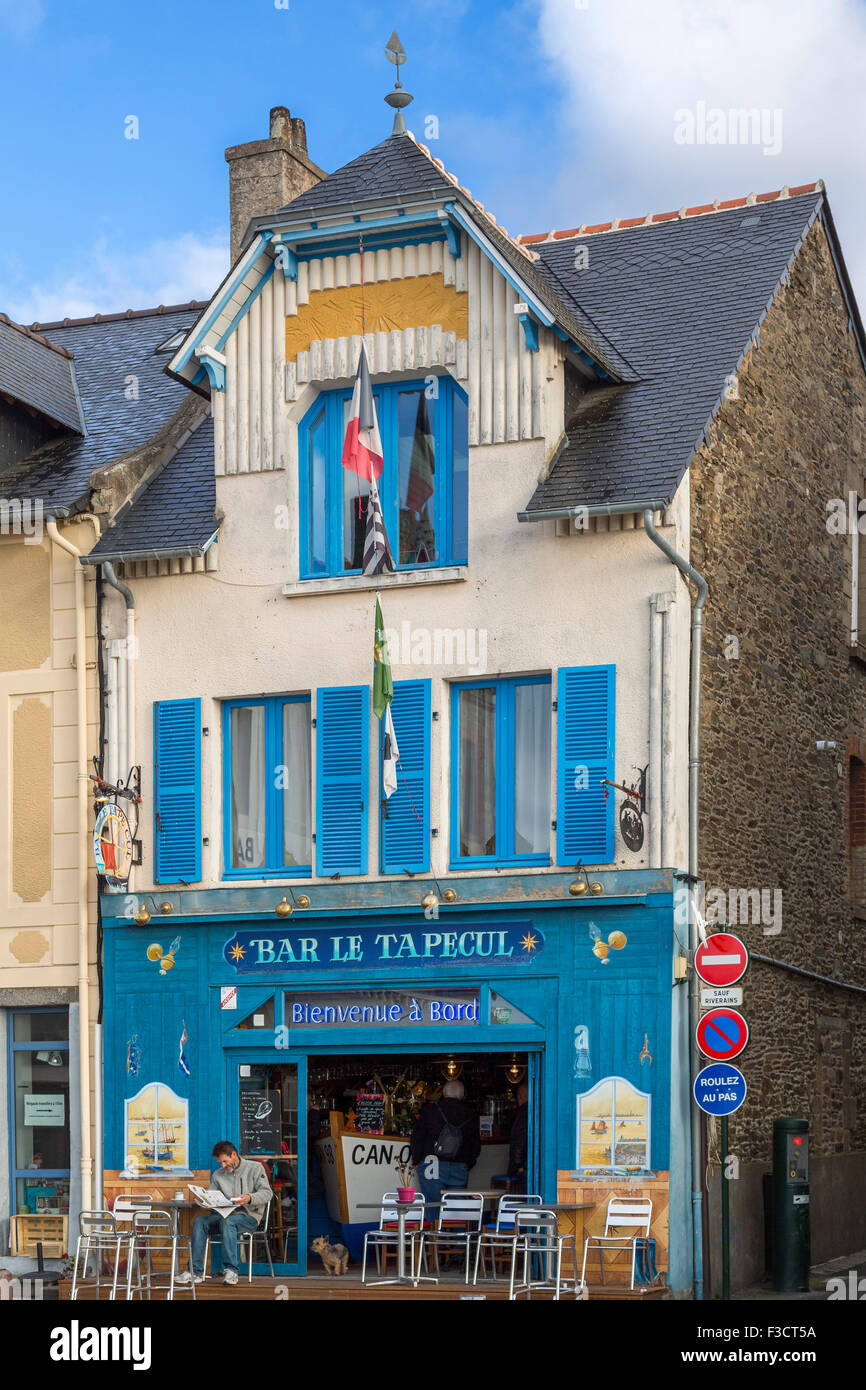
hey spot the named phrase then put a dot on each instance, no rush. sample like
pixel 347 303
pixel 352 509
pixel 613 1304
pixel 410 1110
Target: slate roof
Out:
pixel 681 299
pixel 38 374
pixel 108 352
pixel 174 515
pixel 400 170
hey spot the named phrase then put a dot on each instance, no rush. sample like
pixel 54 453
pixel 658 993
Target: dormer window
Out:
pixel 423 488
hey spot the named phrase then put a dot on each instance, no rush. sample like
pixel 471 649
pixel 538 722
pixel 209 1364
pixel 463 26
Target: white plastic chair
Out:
pixel 622 1213
pixel 501 1236
pixel 387 1234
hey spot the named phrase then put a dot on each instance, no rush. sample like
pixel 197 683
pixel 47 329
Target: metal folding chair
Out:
pixel 244 1236
pixel 387 1235
pixel 459 1224
pixel 541 1245
pixel 249 1238
pixel 156 1232
pixel 500 1236
pixel 99 1237
pixel 621 1213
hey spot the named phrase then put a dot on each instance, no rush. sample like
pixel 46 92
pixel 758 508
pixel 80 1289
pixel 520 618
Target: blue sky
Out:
pixel 553 112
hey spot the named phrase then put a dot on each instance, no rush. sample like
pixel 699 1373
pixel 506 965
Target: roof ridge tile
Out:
pixel 654 218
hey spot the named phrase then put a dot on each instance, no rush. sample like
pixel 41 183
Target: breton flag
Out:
pixel 362 448
pixel 383 691
pixel 377 551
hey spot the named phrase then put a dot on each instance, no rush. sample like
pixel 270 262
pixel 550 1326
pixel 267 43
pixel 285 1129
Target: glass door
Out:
pixel 268 1110
pixel 533 1153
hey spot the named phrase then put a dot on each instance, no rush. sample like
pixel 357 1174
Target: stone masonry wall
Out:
pixel 779 674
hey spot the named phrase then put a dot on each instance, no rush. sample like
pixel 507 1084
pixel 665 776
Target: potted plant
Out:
pixel 406 1170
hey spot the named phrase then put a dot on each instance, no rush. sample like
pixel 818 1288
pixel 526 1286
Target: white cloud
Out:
pixel 104 281
pixel 628 67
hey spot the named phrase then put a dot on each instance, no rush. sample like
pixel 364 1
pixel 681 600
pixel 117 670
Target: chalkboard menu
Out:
pixel 369 1112
pixel 260 1122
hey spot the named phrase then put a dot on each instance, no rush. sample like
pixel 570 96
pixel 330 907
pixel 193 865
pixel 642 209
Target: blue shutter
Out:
pixel 586 718
pixel 342 779
pixel 177 774
pixel 404 820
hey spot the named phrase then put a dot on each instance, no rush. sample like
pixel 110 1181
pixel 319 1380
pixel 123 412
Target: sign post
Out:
pixel 722 1034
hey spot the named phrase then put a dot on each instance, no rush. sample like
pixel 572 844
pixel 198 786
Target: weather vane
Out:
pixel 396 54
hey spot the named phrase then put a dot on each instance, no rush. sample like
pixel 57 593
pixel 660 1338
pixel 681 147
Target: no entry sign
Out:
pixel 721 959
pixel 720 1089
pixel 722 1034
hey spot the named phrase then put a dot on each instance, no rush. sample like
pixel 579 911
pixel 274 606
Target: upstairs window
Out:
pixel 267 787
pixel 423 488
pixel 500 760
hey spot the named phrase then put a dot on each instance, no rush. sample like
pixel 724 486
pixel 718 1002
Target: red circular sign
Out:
pixel 721 959
pixel 722 1034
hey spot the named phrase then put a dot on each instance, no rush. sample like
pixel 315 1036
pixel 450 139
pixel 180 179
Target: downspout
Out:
pixel 691 574
pixel 119 749
pixel 126 748
pixel 83 860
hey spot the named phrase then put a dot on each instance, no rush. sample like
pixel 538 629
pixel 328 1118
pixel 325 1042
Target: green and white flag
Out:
pixel 383 691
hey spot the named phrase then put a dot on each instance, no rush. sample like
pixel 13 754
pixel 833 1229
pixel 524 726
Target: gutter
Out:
pixel 83 860
pixel 691 574
pixel 641 504
pixel 184 552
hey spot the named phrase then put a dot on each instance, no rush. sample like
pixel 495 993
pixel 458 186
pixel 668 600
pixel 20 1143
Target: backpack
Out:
pixel 448 1141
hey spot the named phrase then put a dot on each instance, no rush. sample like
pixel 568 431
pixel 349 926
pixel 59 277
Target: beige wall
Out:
pixel 38 805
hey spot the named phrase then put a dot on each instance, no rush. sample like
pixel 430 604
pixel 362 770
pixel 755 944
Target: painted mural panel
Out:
pixel 156 1130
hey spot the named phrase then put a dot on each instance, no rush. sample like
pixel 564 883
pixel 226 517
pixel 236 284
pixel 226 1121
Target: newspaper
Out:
pixel 212 1199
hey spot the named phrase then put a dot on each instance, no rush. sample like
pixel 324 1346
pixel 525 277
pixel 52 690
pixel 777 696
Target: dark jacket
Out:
pixel 517 1142
pixel 431 1120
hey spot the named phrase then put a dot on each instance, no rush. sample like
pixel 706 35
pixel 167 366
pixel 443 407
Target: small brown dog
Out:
pixel 335 1258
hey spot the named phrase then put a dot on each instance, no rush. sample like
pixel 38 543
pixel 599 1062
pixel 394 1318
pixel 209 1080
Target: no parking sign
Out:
pixel 722 1034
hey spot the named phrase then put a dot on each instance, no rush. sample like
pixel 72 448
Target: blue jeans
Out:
pixel 451 1175
pixel 225 1229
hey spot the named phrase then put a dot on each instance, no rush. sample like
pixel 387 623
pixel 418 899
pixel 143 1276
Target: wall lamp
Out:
pixel 581 885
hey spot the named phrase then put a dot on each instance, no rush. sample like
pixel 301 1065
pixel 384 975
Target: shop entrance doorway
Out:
pixel 332 1130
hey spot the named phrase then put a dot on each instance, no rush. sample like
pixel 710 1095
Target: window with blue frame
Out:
pixel 267 787
pixel 38 1072
pixel 500 770
pixel 423 489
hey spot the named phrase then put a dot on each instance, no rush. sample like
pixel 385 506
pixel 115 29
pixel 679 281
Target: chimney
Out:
pixel 266 174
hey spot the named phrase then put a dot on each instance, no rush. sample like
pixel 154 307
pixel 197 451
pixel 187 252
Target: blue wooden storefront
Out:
pixel 166 1025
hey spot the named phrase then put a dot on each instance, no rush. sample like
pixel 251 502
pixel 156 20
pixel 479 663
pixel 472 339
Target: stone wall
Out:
pixel 779 674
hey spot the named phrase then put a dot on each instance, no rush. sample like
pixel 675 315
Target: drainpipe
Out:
pixel 125 665
pixel 700 584
pixel 83 861
pixel 656 806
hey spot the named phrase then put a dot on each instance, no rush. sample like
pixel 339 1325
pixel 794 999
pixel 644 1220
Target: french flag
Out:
pixel 362 450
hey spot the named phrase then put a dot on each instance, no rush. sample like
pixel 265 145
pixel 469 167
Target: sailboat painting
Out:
pixel 156 1125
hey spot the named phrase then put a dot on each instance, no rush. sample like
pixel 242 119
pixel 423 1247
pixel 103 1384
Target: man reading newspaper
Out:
pixel 243 1184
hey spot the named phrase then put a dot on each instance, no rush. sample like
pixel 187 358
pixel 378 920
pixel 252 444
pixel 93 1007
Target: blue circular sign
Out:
pixel 720 1089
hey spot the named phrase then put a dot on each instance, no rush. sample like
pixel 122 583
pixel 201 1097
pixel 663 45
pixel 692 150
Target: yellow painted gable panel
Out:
pixel 389 305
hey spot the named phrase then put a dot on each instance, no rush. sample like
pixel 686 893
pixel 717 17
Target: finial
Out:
pixel 396 54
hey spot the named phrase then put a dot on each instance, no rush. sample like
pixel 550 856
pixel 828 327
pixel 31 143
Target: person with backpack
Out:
pixel 445 1143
